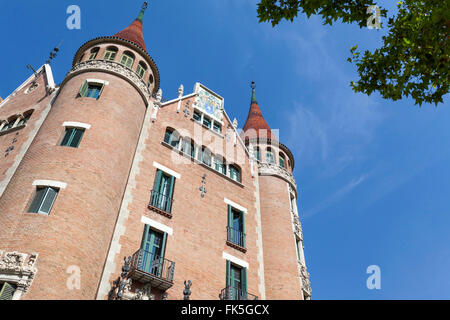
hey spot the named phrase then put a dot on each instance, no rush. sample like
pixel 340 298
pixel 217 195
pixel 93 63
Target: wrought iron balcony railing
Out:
pixel 149 268
pixel 231 293
pixel 236 237
pixel 161 202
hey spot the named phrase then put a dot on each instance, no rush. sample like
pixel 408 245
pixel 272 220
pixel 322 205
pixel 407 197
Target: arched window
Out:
pixel 141 69
pixel 172 138
pixel 219 164
pixel 111 53
pixel 127 59
pixel 270 157
pixel 93 54
pixel 257 153
pixel 11 122
pixel 188 147
pixel 235 173
pixel 205 156
pixel 282 161
pixel 26 117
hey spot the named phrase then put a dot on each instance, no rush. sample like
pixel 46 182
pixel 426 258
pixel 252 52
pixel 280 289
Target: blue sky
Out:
pixel 374 174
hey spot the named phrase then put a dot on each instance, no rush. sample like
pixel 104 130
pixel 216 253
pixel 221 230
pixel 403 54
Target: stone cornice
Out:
pixel 112 68
pixel 268 169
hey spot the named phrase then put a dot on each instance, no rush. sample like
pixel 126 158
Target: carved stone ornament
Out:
pixel 18 268
pixel 304 275
pixel 140 294
pixel 297 226
pixel 116 68
pixel 268 169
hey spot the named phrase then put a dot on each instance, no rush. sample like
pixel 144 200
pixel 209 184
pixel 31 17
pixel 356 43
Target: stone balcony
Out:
pixel 269 169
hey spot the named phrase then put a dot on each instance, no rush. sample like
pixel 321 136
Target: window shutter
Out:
pixel 157 180
pixel 243 228
pixel 84 89
pixel 145 236
pixel 228 279
pixel 49 199
pixel 67 135
pixel 78 134
pixel 229 224
pixel 7 292
pixel 34 208
pixel 244 282
pixel 163 245
pixel 172 186
pixel 101 91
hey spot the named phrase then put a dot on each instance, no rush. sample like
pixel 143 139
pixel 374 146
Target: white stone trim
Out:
pixel 157 225
pixel 103 82
pixel 166 170
pixel 50 183
pixel 235 205
pixel 80 125
pixel 235 260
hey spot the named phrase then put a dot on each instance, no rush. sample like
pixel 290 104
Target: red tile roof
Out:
pixel 133 33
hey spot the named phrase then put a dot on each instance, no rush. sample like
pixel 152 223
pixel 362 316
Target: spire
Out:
pixel 253 92
pixel 256 126
pixel 134 32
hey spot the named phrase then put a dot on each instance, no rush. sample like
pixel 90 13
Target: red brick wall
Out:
pixel 280 257
pixel 79 228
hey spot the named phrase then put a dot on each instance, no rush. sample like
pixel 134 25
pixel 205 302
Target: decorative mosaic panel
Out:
pixel 209 102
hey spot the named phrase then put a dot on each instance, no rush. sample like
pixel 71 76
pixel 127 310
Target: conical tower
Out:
pixel 63 201
pixel 284 264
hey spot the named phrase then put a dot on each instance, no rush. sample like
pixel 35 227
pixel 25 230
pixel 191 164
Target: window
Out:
pixel 6 291
pixel 141 69
pixel 24 120
pixel 298 244
pixel 235 173
pixel 270 158
pixel 217 127
pixel 257 153
pixel 219 165
pixel 207 122
pixel 236 227
pixel 197 116
pixel 163 192
pixel 205 156
pixel 127 59
pixel 110 54
pixel 236 282
pixel 282 161
pixel 72 137
pixel 188 147
pixel 153 246
pixel 94 53
pixel 172 138
pixel 43 200
pixel 91 90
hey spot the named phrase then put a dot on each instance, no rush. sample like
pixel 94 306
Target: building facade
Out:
pixel 101 168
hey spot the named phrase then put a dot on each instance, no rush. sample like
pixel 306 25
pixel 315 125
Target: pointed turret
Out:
pixel 134 32
pixel 256 126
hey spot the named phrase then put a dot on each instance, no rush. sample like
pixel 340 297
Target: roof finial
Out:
pixel 253 92
pixel 141 14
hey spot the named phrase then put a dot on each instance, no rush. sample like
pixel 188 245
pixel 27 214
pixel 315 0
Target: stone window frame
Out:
pixel 15 120
pixel 18 269
pixel 87 82
pixel 45 184
pixel 73 125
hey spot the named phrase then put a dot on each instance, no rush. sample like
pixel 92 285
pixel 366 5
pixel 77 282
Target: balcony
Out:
pixel 231 293
pixel 236 239
pixel 150 269
pixel 161 203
